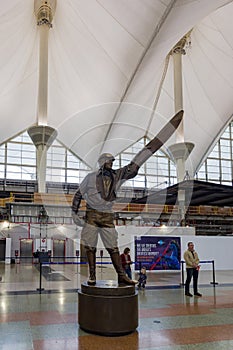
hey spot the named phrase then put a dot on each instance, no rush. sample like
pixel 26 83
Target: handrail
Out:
pixel 50 198
pixel 66 200
pixel 3 201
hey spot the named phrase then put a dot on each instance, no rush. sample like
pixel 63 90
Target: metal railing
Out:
pixel 201 262
pixel 47 260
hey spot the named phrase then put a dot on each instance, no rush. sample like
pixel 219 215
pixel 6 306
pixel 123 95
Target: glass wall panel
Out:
pixel 2 168
pixel 156 172
pixel 65 167
pixel 218 165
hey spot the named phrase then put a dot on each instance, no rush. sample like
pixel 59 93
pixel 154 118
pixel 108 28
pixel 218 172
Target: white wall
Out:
pixel 126 234
pixel 8 251
pixel 217 248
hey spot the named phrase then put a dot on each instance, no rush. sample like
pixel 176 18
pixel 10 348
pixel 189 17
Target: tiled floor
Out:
pixel 167 319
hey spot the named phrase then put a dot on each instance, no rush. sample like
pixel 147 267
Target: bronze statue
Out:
pixel 99 190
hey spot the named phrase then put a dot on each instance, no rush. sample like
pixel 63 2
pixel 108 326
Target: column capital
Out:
pixel 181 44
pixel 42 135
pixel 180 150
pixel 44 11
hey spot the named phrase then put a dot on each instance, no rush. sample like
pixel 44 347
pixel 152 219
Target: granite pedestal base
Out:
pixel 107 308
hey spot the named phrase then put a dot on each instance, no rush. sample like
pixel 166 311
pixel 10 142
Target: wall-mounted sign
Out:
pixel 157 253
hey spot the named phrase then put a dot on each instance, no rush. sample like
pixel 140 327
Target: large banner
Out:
pixel 157 253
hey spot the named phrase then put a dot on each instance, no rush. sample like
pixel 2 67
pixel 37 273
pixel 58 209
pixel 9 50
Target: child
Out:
pixel 142 278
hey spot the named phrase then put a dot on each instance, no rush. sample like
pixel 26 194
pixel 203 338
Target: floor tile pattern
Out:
pixel 168 320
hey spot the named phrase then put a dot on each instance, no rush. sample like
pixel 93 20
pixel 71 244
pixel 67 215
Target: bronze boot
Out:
pixel 116 261
pixel 91 258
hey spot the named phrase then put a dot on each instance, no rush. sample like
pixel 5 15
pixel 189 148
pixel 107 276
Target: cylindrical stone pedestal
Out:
pixel 107 308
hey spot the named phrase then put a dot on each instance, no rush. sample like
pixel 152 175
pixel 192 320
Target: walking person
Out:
pixel 192 269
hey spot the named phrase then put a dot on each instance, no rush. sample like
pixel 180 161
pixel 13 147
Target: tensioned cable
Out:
pixel 155 33
pixel 120 24
pixel 217 136
pixel 96 40
pixel 166 64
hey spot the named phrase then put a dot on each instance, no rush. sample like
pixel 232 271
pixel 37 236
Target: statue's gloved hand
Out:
pixel 78 219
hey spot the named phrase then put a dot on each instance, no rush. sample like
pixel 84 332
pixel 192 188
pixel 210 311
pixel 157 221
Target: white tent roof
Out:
pixel 106 64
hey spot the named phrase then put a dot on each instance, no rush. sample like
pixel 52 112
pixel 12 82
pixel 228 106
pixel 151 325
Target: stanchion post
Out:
pixel 182 273
pixel 213 268
pixel 101 261
pixel 40 283
pixel 16 259
pixel 77 256
pixel 42 258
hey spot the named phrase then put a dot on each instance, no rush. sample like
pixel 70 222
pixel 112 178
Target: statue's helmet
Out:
pixel 105 157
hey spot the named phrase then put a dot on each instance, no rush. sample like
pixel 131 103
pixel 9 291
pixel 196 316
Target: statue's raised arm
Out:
pixel 155 144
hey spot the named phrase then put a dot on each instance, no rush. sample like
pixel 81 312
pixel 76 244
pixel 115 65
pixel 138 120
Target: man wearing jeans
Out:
pixel 192 268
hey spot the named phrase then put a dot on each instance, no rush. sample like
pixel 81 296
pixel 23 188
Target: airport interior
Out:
pixel 148 85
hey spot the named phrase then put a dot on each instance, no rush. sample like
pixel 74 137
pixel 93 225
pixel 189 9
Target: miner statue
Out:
pixel 99 190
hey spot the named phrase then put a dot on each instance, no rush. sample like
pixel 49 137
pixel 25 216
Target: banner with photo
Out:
pixel 157 253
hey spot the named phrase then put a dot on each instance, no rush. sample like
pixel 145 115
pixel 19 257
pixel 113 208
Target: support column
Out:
pixel 41 134
pixel 181 150
pixel 43 75
pixel 178 90
pixel 44 12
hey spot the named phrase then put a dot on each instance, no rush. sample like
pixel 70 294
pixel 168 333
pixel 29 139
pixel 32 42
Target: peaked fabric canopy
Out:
pixel 110 79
